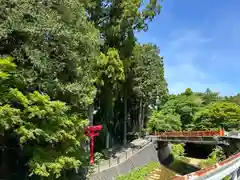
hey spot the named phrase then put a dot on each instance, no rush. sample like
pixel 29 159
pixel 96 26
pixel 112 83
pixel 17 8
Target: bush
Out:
pixel 178 150
pixel 216 156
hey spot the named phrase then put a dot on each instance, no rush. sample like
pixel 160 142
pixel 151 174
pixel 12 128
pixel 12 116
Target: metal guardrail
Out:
pixel 229 167
pixel 224 171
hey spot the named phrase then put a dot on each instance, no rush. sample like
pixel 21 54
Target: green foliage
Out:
pixel 235 99
pixel 54 47
pixel 48 134
pixel 160 122
pixel 208 96
pixel 98 157
pixel 110 68
pixel 184 106
pixel 140 173
pixel 118 19
pixel 61 56
pixel 188 92
pixel 120 67
pixel 178 150
pixel 70 54
pixel 6 66
pixel 216 156
pixel 148 73
pixel 197 111
pixel 218 114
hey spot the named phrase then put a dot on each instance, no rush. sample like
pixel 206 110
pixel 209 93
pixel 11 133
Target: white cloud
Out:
pixel 221 87
pixel 189 38
pixel 184 72
pixel 186 53
pixel 181 70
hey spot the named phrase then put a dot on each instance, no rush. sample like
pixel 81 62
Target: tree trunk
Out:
pixel 143 116
pixel 109 116
pixel 125 118
pixel 140 116
pixel 106 102
pixel 90 114
pixel 90 123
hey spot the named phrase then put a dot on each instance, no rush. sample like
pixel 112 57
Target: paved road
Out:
pixel 121 155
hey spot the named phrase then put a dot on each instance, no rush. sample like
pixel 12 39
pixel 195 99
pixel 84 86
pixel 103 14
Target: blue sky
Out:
pixel 200 43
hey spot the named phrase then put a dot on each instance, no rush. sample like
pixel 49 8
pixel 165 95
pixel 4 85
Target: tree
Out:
pixel 185 106
pixel 188 92
pixel 49 135
pixel 148 82
pixel 208 96
pixel 161 122
pixel 218 114
pixel 148 73
pixel 235 99
pixel 117 21
pixel 54 47
pixel 110 74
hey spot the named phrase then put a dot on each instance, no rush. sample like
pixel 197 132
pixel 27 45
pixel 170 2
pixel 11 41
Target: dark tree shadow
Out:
pixel 179 166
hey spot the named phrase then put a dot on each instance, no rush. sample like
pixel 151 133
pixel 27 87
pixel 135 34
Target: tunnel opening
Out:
pixel 201 151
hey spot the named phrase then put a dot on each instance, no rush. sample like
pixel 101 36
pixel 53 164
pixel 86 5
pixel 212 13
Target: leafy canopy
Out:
pixel 44 126
pixel 49 135
pixel 54 47
pixel 160 122
pixel 197 111
pixel 218 114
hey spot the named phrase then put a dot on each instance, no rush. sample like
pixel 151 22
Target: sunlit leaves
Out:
pixel 160 122
pixel 218 114
pixel 42 121
pixel 6 66
pixel 49 133
pixel 110 68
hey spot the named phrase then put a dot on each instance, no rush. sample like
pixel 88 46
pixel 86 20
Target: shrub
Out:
pixel 178 150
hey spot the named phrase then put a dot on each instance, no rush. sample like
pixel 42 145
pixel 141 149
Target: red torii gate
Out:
pixel 91 133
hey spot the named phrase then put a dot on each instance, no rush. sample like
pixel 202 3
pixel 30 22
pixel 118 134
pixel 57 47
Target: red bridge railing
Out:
pixel 220 132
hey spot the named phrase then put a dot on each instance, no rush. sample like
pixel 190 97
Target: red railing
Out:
pixel 190 133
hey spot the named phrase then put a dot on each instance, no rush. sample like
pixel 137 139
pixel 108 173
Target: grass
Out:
pixel 147 171
pixel 140 173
